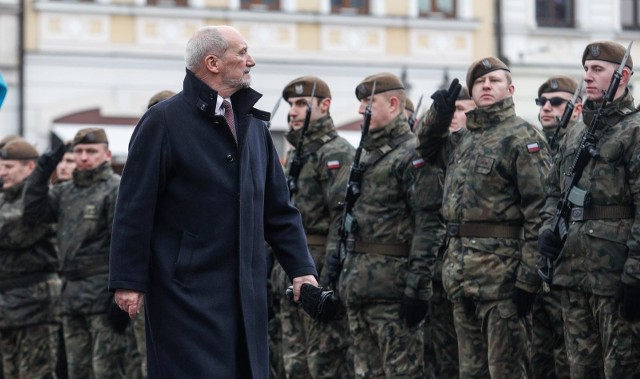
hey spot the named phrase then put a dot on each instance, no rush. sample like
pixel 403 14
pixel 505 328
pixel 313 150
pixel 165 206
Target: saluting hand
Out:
pixel 444 101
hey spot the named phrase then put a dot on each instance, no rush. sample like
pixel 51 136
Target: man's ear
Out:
pixel 212 63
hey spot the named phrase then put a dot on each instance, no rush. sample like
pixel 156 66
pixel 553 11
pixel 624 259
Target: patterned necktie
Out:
pixel 228 115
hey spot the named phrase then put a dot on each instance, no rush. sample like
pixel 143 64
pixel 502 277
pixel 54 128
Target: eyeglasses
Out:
pixel 555 101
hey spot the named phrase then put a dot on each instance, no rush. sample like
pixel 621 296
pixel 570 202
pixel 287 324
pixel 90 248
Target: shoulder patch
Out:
pixel 418 163
pixel 533 147
pixel 260 115
pixel 333 165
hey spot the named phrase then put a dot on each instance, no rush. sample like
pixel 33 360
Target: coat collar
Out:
pixel 203 97
pixel 494 114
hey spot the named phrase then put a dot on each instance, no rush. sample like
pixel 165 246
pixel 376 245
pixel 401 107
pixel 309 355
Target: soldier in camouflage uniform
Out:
pixel 386 278
pixel 598 268
pixel 29 284
pixel 558 91
pixel 83 208
pixel 3 142
pixel 548 353
pixel 441 344
pixel 493 193
pixel 312 349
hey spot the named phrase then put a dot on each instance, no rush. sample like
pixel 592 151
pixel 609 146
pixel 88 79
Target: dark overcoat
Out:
pixel 192 215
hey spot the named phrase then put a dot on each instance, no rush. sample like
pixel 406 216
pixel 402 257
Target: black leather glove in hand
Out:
pixel 50 159
pixel 549 244
pixel 629 299
pixel 118 319
pixel 320 305
pixel 413 310
pixel 444 101
pixel 523 301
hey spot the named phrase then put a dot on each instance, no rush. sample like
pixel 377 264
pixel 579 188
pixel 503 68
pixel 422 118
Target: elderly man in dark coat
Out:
pixel 201 191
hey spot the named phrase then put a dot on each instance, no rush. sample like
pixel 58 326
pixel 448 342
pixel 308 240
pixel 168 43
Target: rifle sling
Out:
pixel 379 153
pixel 602 212
pixel 484 230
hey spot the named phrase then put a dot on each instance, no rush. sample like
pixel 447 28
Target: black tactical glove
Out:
pixel 118 319
pixel 320 305
pixel 629 299
pixel 50 159
pixel 413 310
pixel 332 269
pixel 444 101
pixel 549 244
pixel 523 301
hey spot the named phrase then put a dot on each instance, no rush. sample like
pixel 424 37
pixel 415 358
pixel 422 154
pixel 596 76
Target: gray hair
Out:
pixel 206 41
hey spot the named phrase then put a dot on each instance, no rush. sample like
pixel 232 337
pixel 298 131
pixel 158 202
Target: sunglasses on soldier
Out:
pixel 555 101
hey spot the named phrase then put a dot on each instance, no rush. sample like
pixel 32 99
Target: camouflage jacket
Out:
pixel 495 176
pixel 399 205
pixel 599 253
pixel 83 208
pixel 28 265
pixel 322 179
pixel 554 143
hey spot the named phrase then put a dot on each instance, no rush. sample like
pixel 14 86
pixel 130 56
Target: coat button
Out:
pixel 229 158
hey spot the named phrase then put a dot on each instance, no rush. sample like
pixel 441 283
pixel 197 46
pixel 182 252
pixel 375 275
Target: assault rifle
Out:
pixel 568 111
pixel 572 194
pixel 348 223
pixel 298 160
pixel 412 119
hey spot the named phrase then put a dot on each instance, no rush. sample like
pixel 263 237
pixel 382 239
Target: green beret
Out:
pixel 483 67
pixel 384 82
pixel 8 139
pixel 160 96
pixel 19 150
pixel 303 86
pixel 409 106
pixel 464 94
pixel 607 51
pixel 90 135
pixel 558 83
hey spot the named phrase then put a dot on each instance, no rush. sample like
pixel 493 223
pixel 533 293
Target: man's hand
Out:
pixel 413 311
pixel 444 101
pixel 523 301
pixel 50 159
pixel 129 301
pixel 549 244
pixel 299 281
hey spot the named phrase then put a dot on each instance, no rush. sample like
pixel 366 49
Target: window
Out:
pixel 438 8
pixel 260 5
pixel 168 3
pixel 554 13
pixel 350 6
pixel 630 16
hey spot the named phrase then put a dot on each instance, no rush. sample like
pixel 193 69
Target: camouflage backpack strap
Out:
pixel 317 143
pixel 385 149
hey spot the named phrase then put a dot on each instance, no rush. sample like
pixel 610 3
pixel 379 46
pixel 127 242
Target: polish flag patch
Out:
pixel 533 147
pixel 333 165
pixel 418 163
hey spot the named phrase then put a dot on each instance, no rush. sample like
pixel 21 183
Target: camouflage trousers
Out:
pixel 94 349
pixel 492 341
pixel 600 343
pixel 30 352
pixel 548 352
pixel 139 341
pixel 440 340
pixel 383 346
pixel 132 358
pixel 310 349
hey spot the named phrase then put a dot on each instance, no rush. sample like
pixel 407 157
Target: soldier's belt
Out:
pixel 316 240
pixel 484 230
pixel 390 249
pixel 602 212
pixel 25 281
pixel 86 272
